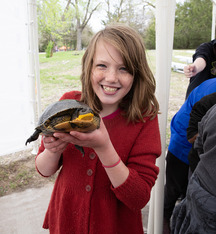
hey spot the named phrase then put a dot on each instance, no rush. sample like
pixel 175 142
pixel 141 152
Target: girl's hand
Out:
pixel 54 145
pixel 47 162
pixel 97 139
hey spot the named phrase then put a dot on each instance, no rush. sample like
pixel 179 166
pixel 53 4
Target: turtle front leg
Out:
pixel 33 137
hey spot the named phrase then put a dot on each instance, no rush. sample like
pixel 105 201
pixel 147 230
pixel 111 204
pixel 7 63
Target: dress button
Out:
pixel 92 155
pixel 88 188
pixel 89 172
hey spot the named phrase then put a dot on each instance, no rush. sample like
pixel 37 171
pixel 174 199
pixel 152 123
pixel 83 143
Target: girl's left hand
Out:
pixel 96 139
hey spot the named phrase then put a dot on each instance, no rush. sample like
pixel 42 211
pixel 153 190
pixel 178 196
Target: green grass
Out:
pixel 151 57
pixel 58 67
pixel 59 74
pixel 150 54
pixel 186 53
pixel 72 56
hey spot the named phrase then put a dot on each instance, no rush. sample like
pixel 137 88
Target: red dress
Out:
pixel 83 200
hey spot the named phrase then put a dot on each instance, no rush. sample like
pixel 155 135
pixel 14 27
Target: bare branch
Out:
pixel 86 12
pixel 149 4
pixel 89 17
pixel 66 9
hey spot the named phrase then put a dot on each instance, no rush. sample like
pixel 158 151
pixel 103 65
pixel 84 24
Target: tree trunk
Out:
pixel 79 38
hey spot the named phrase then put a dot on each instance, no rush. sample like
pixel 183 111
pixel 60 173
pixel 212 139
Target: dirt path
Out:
pixel 23 213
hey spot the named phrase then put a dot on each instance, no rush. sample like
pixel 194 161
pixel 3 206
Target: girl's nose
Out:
pixel 111 76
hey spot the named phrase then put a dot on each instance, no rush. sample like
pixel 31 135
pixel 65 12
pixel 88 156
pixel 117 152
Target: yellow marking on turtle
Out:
pixel 84 121
pixel 85 117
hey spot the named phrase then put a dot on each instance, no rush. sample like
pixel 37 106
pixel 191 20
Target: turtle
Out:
pixel 64 116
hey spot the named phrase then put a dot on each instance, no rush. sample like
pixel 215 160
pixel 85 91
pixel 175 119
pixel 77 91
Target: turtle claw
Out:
pixel 33 137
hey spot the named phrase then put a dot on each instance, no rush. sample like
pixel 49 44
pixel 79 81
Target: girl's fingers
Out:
pixel 48 139
pixel 88 139
pixel 54 144
pixel 60 148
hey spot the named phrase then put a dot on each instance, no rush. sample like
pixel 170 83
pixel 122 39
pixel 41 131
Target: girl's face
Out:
pixel 110 79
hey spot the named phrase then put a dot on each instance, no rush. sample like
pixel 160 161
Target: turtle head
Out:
pixel 84 110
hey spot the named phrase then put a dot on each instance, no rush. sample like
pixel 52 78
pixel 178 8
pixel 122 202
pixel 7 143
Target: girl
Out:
pixel 105 191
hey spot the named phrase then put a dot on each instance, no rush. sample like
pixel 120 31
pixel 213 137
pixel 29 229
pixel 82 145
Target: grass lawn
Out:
pixel 59 74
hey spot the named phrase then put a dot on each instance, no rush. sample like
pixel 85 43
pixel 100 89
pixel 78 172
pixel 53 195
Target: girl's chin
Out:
pixel 109 98
pixel 109 101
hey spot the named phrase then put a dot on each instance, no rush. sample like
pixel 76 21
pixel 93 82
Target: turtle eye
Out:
pixel 83 111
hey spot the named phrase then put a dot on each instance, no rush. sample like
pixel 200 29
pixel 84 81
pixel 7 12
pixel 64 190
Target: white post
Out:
pixel 213 20
pixel 36 56
pixel 165 18
pixel 33 62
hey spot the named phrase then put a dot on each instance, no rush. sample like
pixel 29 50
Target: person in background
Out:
pixel 202 69
pixel 197 212
pixel 177 164
pixel 104 191
pixel 203 66
pixel 198 111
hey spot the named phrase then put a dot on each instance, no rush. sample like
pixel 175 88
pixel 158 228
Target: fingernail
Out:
pixel 54 135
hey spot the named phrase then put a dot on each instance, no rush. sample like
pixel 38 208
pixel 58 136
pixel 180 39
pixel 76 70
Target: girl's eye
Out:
pixel 101 65
pixel 123 69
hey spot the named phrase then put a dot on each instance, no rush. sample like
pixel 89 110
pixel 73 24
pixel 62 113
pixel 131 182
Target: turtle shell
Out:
pixel 65 116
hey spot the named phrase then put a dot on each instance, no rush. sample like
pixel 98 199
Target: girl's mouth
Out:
pixel 109 90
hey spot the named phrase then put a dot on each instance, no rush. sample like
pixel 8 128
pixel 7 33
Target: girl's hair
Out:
pixel 140 101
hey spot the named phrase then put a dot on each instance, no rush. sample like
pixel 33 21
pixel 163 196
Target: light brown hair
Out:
pixel 141 100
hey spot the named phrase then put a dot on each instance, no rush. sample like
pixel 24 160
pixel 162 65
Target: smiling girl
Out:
pixel 105 191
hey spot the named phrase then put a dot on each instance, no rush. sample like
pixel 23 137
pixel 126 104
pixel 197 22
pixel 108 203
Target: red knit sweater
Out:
pixel 83 199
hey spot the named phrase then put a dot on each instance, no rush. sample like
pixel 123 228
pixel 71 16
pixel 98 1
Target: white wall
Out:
pixel 16 109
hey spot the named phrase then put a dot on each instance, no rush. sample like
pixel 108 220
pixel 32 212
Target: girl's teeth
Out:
pixel 109 89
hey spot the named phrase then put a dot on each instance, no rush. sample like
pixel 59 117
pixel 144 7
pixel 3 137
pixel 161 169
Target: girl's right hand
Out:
pixel 54 145
pixel 47 162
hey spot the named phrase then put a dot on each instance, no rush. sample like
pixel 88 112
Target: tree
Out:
pixel 83 12
pixel 49 21
pixel 114 13
pixel 65 22
pixel 150 35
pixel 192 23
pixel 133 13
